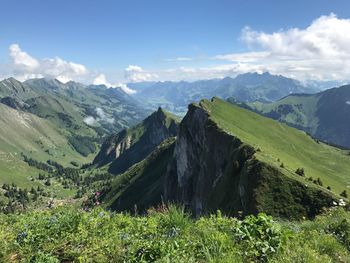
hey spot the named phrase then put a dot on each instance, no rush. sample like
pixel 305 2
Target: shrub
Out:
pixel 342 232
pixel 260 235
pixel 300 171
pixel 344 194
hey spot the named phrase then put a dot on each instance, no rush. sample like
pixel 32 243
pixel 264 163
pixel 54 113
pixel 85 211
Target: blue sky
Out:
pixel 160 38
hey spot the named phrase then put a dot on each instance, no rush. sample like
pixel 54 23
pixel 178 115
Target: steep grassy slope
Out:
pixel 122 150
pixel 324 115
pixel 14 170
pixel 34 136
pixel 278 141
pixel 141 186
pixel 22 132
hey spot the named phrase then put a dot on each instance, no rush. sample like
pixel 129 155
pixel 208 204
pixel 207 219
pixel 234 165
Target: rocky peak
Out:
pixel 130 146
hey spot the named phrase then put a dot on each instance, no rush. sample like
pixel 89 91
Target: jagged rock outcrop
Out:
pixel 212 169
pixel 130 146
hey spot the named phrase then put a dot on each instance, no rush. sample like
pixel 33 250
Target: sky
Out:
pixel 117 42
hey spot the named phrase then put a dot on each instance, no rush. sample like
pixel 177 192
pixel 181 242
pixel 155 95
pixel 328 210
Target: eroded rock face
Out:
pixel 212 169
pixel 206 167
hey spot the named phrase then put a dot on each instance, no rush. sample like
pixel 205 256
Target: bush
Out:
pixel 344 194
pixel 300 171
pixel 261 237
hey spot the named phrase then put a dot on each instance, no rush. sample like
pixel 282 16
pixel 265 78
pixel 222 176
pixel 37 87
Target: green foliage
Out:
pixel 260 235
pixel 300 171
pixel 82 144
pixel 344 194
pixel 168 234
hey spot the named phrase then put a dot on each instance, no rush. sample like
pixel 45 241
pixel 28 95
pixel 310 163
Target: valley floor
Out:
pixel 165 234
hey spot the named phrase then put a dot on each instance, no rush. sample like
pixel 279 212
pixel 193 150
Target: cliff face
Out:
pixel 130 146
pixel 212 169
pixel 204 158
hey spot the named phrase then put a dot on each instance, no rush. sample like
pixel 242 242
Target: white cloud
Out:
pixel 22 60
pixel 320 51
pixel 89 120
pixel 125 88
pixel 102 80
pixel 23 66
pixel 101 117
pixel 179 59
pixel 347 102
pixel 135 73
pixel 244 57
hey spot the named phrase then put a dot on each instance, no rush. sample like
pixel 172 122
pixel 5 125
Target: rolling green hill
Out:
pixel 324 115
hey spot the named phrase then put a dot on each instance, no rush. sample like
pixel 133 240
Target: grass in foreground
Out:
pixel 170 235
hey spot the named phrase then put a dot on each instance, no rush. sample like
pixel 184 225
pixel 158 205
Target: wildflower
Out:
pixel 97 193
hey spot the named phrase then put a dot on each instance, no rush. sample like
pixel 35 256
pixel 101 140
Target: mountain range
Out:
pixel 175 96
pixel 49 120
pixel 324 115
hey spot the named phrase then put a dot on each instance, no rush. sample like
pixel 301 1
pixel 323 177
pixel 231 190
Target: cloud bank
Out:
pixel 23 66
pixel 135 73
pixel 102 80
pixel 320 51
